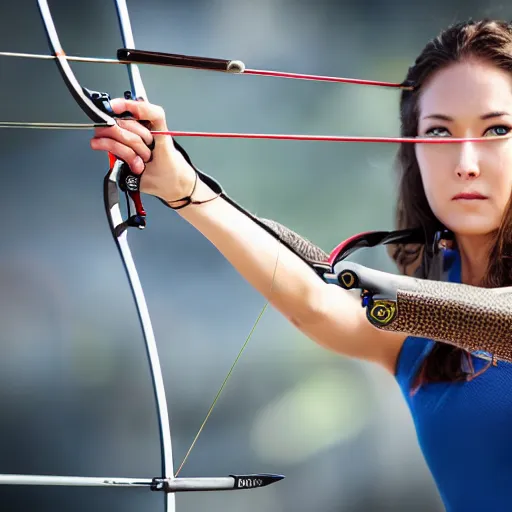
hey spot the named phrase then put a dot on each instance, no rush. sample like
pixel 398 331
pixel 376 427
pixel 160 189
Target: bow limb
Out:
pixel 81 97
pixel 139 92
pixel 119 178
pixel 91 104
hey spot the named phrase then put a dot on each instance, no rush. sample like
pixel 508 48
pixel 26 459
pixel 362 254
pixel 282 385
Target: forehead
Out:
pixel 473 86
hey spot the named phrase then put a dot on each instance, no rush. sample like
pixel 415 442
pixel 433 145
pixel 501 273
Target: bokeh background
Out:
pixel 75 393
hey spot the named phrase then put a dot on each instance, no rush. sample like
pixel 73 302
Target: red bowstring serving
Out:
pixel 328 138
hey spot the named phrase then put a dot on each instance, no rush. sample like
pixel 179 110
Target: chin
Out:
pixel 472 225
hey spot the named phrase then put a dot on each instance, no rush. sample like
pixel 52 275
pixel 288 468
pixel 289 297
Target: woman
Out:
pixel 462 88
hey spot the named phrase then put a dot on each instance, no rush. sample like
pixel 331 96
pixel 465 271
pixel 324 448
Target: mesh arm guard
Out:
pixel 468 317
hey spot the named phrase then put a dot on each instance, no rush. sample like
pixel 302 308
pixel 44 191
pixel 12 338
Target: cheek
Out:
pixel 502 177
pixel 433 171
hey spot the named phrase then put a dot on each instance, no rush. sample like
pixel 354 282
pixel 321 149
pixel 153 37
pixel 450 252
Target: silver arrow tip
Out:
pixel 256 480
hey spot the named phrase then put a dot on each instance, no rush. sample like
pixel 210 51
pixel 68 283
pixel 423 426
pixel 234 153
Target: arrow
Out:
pixel 168 485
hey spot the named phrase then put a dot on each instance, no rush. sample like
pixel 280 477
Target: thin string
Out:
pixel 320 78
pixel 267 136
pixel 223 385
pixel 331 138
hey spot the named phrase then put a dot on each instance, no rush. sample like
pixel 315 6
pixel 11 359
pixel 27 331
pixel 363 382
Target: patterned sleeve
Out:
pixel 415 349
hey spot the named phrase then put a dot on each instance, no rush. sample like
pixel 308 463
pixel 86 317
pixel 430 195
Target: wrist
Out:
pixel 202 189
pixel 199 192
pixel 184 187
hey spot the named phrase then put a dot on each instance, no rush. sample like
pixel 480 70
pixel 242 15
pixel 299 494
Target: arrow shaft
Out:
pixel 72 58
pixel 74 481
pixel 168 485
pixel 205 64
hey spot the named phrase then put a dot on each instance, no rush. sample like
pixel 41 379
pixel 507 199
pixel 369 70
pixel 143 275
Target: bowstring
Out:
pixel 230 372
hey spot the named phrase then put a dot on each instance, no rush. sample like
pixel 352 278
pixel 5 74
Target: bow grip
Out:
pixel 128 182
pixel 469 317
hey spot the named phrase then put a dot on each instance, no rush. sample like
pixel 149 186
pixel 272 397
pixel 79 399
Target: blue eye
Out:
pixel 499 130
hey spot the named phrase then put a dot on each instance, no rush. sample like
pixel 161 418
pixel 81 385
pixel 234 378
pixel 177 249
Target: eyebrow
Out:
pixel 484 117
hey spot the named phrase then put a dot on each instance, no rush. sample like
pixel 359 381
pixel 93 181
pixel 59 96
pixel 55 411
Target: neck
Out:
pixel 474 253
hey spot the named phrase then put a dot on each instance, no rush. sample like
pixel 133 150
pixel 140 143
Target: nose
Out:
pixel 467 167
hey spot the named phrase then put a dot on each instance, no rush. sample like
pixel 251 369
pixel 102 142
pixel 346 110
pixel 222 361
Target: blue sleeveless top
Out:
pixel 464 429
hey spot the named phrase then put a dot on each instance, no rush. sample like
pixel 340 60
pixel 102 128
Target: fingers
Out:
pixel 129 140
pixel 125 139
pixel 121 151
pixel 131 133
pixel 138 129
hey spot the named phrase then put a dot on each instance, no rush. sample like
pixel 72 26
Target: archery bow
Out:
pixel 119 178
pixel 91 104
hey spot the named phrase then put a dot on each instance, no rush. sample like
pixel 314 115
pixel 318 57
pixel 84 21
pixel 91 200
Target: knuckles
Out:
pixel 160 113
pixel 128 139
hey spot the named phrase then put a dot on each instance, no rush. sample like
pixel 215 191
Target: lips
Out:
pixel 469 196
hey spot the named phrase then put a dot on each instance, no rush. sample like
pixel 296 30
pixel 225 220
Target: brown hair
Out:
pixel 490 41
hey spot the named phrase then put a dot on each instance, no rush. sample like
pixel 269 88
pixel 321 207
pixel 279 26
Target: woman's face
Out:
pixel 468 184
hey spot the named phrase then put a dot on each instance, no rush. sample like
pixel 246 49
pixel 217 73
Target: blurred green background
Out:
pixel 75 393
